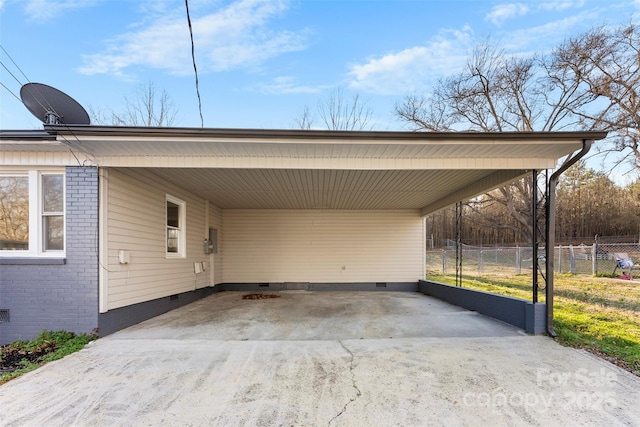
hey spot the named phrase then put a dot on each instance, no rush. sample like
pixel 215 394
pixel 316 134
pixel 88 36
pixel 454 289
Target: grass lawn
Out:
pixel 598 314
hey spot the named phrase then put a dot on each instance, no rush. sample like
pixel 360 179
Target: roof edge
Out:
pixel 22 135
pixel 239 133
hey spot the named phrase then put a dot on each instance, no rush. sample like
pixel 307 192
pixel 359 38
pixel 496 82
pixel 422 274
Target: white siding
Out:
pixel 136 223
pixel 322 246
pixel 215 221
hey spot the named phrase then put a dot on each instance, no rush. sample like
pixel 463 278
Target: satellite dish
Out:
pixel 52 106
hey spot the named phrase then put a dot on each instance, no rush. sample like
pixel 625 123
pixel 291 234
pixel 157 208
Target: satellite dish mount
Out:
pixel 51 118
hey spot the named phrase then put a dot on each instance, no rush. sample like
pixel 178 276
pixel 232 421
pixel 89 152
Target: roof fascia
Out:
pixel 298 135
pixel 26 135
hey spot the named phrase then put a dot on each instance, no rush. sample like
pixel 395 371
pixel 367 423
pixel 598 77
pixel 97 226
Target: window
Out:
pixel 176 240
pixel 53 212
pixel 14 214
pixel 32 217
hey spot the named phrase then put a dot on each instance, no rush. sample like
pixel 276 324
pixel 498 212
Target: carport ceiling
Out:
pixel 325 189
pixel 301 169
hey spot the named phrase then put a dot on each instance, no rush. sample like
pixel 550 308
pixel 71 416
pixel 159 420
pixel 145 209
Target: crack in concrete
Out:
pixel 353 384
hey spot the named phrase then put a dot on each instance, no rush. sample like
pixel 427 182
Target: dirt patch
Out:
pixel 260 296
pixel 14 357
pixel 633 368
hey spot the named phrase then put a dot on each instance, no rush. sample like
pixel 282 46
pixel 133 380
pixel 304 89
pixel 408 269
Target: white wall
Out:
pixel 321 246
pixel 135 221
pixel 254 246
pixel 215 221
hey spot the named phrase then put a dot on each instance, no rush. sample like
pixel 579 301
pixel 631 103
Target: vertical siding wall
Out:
pixel 320 246
pixel 135 222
pixel 58 294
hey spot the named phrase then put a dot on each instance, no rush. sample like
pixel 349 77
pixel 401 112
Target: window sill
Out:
pixel 32 261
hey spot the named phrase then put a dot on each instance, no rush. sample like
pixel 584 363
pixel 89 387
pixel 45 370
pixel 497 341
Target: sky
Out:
pixel 261 62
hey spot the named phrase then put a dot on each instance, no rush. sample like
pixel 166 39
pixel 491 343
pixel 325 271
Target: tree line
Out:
pixel 588 204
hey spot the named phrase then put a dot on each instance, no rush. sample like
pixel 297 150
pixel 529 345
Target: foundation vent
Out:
pixel 381 284
pixel 4 316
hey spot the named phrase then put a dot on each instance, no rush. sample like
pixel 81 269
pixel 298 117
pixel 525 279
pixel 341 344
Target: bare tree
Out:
pixel 305 119
pixel 590 82
pixel 604 64
pixel 589 203
pixel 150 106
pixel 494 93
pixel 338 113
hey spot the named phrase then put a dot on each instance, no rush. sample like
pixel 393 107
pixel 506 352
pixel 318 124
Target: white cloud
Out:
pixel 413 68
pixel 558 6
pixel 502 12
pixel 547 36
pixel 44 10
pixel 289 85
pixel 234 36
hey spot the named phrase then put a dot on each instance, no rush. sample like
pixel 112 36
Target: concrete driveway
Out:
pixel 323 359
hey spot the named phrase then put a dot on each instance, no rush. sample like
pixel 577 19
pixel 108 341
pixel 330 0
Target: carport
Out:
pixel 271 209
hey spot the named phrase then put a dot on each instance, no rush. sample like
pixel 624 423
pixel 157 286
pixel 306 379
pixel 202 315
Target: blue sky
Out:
pixel 261 62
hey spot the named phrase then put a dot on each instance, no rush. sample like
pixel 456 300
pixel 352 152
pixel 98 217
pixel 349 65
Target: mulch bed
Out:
pixel 12 356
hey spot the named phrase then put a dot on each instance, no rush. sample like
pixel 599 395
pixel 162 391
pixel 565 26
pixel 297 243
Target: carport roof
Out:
pixel 305 169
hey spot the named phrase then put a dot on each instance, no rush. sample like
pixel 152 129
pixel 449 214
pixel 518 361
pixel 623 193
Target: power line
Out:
pixel 69 144
pixel 193 58
pixel 9 71
pixel 48 107
pixel 11 92
pixel 14 63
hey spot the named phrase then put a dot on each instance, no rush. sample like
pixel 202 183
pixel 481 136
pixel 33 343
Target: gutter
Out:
pixel 550 229
pixel 336 135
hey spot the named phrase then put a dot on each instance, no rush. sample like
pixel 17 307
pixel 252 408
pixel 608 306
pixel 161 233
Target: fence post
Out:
pixel 444 262
pixel 594 259
pixel 560 259
pixel 518 260
pixel 572 260
pixel 480 265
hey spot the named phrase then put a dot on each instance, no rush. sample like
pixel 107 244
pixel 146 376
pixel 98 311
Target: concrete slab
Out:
pixel 326 358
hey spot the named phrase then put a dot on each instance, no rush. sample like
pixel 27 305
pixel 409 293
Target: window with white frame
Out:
pixel 176 230
pixel 32 213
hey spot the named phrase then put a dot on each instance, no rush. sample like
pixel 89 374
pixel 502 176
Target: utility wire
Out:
pixel 47 107
pixel 11 92
pixel 193 58
pixel 14 63
pixel 9 71
pixel 70 145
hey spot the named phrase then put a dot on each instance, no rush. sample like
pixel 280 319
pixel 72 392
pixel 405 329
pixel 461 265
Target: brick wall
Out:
pixel 52 293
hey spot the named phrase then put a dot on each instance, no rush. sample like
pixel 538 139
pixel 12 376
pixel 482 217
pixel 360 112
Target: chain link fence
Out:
pixel 599 258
